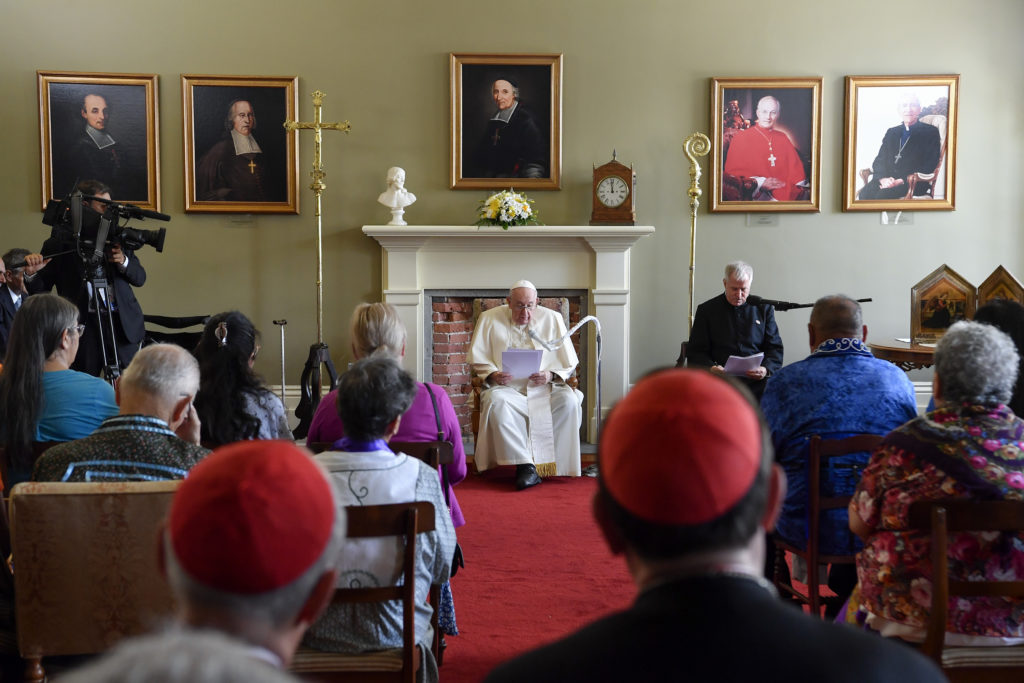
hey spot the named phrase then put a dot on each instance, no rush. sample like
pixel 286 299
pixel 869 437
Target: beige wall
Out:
pixel 636 79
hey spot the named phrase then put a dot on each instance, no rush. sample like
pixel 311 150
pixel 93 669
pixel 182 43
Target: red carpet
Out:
pixel 536 570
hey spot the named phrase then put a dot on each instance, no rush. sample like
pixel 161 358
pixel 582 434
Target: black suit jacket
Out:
pixel 718 628
pixel 6 318
pixel 66 274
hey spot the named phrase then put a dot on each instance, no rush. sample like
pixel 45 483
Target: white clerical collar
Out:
pixel 245 144
pixel 505 114
pixel 102 139
pixel 264 655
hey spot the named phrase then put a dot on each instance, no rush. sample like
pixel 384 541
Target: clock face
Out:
pixel 612 191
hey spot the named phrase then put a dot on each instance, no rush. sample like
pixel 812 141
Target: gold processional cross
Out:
pixel 318 352
pixel 318 186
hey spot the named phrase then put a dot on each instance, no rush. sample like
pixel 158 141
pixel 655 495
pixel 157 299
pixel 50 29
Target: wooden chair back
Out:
pixel 820 451
pixel 399 664
pixel 941 519
pixel 85 565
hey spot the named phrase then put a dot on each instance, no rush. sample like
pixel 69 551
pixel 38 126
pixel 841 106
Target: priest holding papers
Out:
pixel 530 417
pixel 736 324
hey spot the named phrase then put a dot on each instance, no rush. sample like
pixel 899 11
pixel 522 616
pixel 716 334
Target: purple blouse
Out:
pixel 418 424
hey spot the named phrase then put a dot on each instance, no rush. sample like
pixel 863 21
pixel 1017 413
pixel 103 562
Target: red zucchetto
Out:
pixel 251 517
pixel 683 447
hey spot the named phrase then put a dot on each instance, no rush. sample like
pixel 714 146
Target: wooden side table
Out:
pixel 905 355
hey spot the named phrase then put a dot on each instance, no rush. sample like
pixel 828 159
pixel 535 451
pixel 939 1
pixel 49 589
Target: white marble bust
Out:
pixel 396 197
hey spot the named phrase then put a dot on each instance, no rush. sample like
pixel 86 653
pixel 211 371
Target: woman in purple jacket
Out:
pixel 376 328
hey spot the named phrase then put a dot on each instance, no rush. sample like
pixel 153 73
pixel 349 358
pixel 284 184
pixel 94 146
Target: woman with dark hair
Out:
pixel 41 398
pixel 232 402
pixel 1008 316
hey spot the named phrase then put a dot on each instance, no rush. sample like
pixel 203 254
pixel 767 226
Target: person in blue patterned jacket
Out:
pixel 839 390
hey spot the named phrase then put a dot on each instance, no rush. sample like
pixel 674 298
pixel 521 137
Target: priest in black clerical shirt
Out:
pixel 730 325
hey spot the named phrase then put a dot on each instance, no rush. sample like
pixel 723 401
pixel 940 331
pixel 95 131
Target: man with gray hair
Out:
pixel 736 324
pixel 839 390
pixel 154 436
pixel 532 422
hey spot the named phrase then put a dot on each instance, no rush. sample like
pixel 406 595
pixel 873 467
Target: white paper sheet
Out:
pixel 521 363
pixel 737 365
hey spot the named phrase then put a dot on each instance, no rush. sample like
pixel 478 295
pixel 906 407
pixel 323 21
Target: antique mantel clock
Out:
pixel 614 194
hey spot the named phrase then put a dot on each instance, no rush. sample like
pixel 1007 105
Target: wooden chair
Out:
pixel 184 337
pixel 820 451
pixel 940 519
pixel 398 664
pixel 681 361
pixel 85 565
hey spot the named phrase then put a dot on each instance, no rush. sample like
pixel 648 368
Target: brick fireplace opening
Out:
pixel 449 327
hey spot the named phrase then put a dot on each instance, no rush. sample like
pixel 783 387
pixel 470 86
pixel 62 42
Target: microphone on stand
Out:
pixel 786 305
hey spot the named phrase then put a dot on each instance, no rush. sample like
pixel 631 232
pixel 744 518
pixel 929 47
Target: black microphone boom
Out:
pixel 786 305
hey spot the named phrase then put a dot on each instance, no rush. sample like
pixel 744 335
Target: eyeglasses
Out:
pixel 79 328
pixel 525 307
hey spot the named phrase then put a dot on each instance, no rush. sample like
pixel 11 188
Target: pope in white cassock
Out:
pixel 532 422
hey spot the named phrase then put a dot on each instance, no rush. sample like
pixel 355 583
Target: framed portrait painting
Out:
pixel 238 156
pixel 506 121
pixel 942 298
pixel 900 143
pixel 100 126
pixel 767 135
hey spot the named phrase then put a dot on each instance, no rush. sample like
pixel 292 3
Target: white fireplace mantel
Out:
pixel 595 258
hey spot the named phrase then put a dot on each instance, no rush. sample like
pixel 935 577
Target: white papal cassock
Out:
pixel 527 425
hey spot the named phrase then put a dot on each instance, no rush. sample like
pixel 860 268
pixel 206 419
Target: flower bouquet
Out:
pixel 506 208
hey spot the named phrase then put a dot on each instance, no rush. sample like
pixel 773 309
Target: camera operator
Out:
pixel 123 271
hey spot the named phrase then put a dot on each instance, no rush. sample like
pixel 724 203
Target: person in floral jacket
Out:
pixel 971 446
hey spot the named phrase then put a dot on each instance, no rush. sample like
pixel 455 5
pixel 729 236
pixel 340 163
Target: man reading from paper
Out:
pixel 736 324
pixel 530 421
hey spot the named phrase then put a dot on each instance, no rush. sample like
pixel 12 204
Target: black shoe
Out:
pixel 526 476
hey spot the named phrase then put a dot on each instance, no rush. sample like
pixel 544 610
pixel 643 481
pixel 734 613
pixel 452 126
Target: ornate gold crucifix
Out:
pixel 318 186
pixel 318 353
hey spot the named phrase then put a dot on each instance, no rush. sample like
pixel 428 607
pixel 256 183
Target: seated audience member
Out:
pixel 838 391
pixel 179 656
pixel 1008 316
pixel 156 434
pixel 531 422
pixel 13 270
pixel 41 398
pixel 376 329
pixel 967 448
pixel 686 496
pixel 249 544
pixel 372 396
pixel 232 402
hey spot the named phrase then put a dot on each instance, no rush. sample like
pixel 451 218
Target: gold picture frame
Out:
pixel 1001 284
pixel 117 141
pixel 942 298
pixel 224 172
pixel 888 166
pixel 787 143
pixel 530 155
